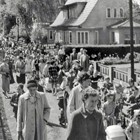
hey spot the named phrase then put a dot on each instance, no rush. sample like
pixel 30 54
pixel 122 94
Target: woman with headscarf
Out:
pixel 33 113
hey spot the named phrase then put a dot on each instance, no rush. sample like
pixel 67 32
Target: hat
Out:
pixel 31 83
pixel 89 90
pixel 82 76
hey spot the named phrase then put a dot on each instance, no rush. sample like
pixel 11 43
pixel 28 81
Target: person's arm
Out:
pixel 71 133
pixel 45 71
pixel 129 130
pixel 16 66
pixel 46 109
pixel 102 134
pixel 70 58
pixel 71 102
pixel 20 118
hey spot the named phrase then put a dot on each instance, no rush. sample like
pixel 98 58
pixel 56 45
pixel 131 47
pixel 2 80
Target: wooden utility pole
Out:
pixel 131 39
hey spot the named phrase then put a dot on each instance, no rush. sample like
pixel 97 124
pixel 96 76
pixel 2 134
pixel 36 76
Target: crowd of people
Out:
pixel 89 102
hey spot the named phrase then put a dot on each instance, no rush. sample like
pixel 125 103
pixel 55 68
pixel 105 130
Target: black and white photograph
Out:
pixel 69 69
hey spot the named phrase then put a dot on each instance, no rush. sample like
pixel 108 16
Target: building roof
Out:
pixel 69 2
pixel 62 21
pixel 125 24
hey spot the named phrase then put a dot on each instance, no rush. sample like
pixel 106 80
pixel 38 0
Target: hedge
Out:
pixel 105 50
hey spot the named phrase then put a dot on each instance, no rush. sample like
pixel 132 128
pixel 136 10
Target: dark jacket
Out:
pixel 85 126
pixel 66 66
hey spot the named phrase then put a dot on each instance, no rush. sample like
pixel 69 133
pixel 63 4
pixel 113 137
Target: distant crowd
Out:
pixel 89 102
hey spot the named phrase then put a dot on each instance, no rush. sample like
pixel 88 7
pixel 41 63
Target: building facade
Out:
pixel 93 22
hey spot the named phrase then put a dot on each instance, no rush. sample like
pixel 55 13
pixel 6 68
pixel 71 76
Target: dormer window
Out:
pixel 121 13
pixel 108 13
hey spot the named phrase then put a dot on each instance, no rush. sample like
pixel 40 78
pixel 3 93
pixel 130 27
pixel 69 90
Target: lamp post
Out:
pixel 131 39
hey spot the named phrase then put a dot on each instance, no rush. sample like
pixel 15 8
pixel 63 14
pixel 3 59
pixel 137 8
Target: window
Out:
pixel 113 37
pixel 50 35
pixel 70 37
pixel 96 37
pixel 82 37
pixel 79 40
pixel 71 13
pixel 115 13
pixel 127 38
pixel 86 37
pixel 121 13
pixel 108 14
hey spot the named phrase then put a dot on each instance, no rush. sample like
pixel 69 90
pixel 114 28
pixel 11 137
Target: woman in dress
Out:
pixel 5 72
pixel 10 63
pixel 20 69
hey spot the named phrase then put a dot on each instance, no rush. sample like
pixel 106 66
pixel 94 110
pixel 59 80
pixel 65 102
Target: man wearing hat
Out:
pixel 86 122
pixel 33 113
pixel 73 55
pixel 84 60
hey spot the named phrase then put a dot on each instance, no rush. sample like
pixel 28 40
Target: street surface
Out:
pixel 55 131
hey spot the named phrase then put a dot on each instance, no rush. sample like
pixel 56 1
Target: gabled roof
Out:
pixel 62 21
pixel 69 2
pixel 125 24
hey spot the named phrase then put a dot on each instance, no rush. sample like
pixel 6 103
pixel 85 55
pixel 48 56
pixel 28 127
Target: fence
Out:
pixel 117 74
pixel 121 75
pixel 106 70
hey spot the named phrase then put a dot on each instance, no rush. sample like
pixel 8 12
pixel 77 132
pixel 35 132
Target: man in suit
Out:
pixel 73 55
pixel 67 65
pixel 84 61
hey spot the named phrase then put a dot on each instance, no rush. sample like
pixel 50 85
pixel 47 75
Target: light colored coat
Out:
pixel 26 116
pixel 84 62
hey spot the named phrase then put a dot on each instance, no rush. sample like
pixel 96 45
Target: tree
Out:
pixel 43 11
pixel 9 21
